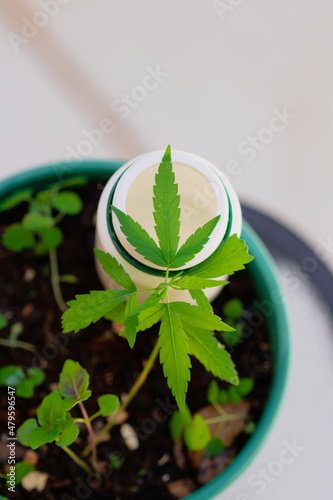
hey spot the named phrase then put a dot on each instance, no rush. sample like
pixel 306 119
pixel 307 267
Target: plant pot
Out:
pixel 263 272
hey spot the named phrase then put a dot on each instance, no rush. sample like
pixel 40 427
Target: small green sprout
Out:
pixel 24 384
pixel 185 329
pixel 38 229
pixel 234 394
pixel 116 460
pixel 54 422
pixel 232 312
pixel 16 329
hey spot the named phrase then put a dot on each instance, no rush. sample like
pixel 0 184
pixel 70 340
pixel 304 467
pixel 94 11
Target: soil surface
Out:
pixel 157 469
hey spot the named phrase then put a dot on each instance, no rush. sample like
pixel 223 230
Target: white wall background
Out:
pixel 226 75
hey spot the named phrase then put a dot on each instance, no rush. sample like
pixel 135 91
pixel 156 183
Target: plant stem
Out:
pixel 225 418
pixel 92 437
pixel 55 280
pixel 77 459
pixel 139 382
pixel 17 343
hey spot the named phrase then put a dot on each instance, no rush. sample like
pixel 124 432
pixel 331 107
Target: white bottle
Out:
pixel 204 191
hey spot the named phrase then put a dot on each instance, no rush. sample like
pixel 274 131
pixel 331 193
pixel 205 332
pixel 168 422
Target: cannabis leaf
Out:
pixel 115 270
pixel 201 299
pixel 198 317
pixel 196 283
pixel 89 308
pixel 205 347
pixel 194 244
pixel 131 320
pixel 174 354
pixel 166 205
pixel 140 239
pixel 229 257
pixel 148 317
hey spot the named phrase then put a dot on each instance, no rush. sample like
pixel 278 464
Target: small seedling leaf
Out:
pixel 17 238
pixel 15 199
pixel 37 222
pixel 213 392
pixel 39 436
pixel 245 386
pixel 67 202
pixel 69 433
pixel 108 403
pixel 214 447
pixel 197 435
pixel 73 380
pixel 233 309
pixel 52 238
pixel 11 375
pixel 22 469
pixel 51 412
pixel 36 375
pixel 24 430
pixel 178 423
pixel 3 322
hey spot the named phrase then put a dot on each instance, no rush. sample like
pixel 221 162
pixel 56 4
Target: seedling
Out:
pixel 232 312
pixel 195 430
pixel 16 330
pixel 24 384
pixel 185 329
pixel 22 469
pixel 38 229
pixel 54 422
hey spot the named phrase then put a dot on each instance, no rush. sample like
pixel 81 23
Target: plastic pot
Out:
pixel 263 272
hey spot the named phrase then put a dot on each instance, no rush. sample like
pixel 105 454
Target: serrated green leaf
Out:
pixel 152 300
pixel 108 403
pixel 67 202
pixel 233 308
pixel 197 316
pixel 174 355
pixel 52 238
pixel 166 206
pixel 197 283
pixel 18 238
pixel 194 244
pixel 178 422
pixel 117 314
pixel 15 199
pixel 73 380
pixel 150 316
pixel 140 239
pixel 22 469
pixel 39 436
pixel 213 392
pixel 229 257
pixel 115 270
pixel 197 435
pixel 51 413
pixel 245 386
pixel 89 308
pixel 201 299
pixel 214 447
pixel 37 222
pixel 24 430
pixel 204 346
pixel 11 375
pixel 69 433
pixel 131 320
pixel 3 322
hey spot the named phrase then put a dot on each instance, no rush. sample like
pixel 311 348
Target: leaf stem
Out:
pixel 55 280
pixel 76 459
pixel 17 343
pixel 224 418
pixel 135 388
pixel 92 437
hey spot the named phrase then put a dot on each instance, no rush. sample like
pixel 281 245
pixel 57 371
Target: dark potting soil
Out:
pixel 155 469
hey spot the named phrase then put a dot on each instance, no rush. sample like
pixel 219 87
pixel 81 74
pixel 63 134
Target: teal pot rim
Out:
pixel 264 273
